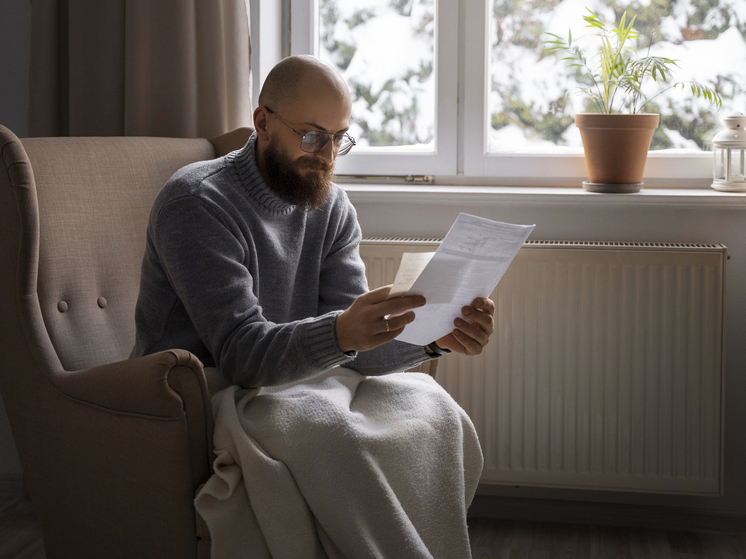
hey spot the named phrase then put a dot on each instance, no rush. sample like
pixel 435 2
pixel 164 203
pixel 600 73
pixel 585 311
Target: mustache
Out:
pixel 316 164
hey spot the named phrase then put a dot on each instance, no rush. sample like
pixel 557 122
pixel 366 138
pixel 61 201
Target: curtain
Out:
pixel 179 68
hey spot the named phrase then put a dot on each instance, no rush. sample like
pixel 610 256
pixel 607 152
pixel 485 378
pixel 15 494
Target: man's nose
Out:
pixel 327 152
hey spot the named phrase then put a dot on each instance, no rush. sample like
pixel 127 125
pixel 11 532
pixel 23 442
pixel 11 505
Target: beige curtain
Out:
pixel 176 68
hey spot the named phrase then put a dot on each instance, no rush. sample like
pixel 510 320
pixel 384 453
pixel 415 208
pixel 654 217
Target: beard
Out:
pixel 284 177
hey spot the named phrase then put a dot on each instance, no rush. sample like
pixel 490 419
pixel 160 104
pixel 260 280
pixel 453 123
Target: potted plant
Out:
pixel 616 139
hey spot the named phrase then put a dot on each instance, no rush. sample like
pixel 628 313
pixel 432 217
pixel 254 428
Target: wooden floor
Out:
pixel 20 538
pixel 510 539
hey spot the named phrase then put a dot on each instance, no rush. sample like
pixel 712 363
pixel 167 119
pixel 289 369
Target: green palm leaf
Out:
pixel 619 76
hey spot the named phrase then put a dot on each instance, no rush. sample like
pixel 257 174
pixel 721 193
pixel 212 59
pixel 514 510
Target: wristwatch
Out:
pixel 437 350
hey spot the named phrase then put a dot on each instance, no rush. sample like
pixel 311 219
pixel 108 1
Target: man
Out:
pixel 252 264
pixel 252 259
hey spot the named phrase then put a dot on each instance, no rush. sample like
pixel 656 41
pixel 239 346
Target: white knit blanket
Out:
pixel 341 466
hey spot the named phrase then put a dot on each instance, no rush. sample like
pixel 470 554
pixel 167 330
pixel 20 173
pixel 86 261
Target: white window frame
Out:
pixel 268 28
pixel 461 154
pixel 442 160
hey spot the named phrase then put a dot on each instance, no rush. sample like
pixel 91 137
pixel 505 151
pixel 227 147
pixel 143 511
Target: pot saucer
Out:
pixel 612 188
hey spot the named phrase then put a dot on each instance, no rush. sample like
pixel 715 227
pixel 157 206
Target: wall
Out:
pixel 15 21
pixel 696 216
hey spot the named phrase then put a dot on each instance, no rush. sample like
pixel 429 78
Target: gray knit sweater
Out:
pixel 251 284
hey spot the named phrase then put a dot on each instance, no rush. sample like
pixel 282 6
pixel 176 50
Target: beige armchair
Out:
pixel 112 449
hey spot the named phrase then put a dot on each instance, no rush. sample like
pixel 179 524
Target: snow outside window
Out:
pixel 409 63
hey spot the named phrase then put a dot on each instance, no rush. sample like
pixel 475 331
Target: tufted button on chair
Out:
pixel 112 449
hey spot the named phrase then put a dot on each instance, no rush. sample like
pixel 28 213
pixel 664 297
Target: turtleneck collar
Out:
pixel 252 180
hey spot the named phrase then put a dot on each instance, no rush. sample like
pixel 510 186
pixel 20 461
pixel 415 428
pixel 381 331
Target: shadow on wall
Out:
pixel 15 41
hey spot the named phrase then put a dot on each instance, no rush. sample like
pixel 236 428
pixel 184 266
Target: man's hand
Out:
pixel 473 331
pixel 363 326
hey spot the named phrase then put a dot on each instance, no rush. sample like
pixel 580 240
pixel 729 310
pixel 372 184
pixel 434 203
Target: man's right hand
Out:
pixel 363 326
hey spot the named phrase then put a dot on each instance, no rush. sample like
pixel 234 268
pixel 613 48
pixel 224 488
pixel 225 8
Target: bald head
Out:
pixel 298 76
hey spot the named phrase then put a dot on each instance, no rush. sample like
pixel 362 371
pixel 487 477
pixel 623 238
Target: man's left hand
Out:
pixel 472 330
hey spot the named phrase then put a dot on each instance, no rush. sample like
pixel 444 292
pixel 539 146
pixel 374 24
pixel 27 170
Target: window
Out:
pixel 399 58
pixel 461 87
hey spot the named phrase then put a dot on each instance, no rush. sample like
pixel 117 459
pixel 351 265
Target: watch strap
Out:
pixel 437 350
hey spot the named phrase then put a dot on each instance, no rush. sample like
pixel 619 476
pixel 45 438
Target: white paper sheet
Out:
pixel 412 264
pixel 468 264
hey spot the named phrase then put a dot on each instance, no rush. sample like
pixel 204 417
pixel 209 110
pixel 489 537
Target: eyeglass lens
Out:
pixel 315 141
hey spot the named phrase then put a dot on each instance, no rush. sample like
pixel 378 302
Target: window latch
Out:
pixel 419 178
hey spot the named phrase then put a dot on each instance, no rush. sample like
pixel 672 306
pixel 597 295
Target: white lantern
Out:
pixel 729 164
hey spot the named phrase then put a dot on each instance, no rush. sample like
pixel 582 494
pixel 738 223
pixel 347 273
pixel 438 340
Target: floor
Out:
pixel 20 538
pixel 508 539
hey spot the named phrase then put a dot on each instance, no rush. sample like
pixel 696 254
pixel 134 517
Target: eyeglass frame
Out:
pixel 340 152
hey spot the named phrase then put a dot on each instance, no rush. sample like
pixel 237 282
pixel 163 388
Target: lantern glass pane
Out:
pixel 737 165
pixel 718 170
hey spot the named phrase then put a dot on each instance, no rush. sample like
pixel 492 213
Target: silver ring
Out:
pixel 387 324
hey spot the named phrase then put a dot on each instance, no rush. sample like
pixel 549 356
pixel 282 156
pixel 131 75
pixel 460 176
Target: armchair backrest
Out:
pixel 75 212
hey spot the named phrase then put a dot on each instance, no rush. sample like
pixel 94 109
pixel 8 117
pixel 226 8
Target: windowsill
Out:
pixel 523 195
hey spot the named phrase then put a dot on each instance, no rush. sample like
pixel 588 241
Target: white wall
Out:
pixel 660 216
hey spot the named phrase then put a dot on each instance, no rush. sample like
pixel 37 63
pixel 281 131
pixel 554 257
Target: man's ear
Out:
pixel 260 123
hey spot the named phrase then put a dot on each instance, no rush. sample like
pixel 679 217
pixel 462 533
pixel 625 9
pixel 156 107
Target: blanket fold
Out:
pixel 341 465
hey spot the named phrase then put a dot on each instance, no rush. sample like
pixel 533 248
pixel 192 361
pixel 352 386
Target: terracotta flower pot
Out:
pixel 616 149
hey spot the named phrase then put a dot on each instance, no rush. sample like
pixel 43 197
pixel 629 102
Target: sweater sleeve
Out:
pixel 392 357
pixel 204 258
pixel 342 281
pixel 342 270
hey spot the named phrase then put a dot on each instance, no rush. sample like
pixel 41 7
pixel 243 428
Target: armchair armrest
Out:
pixel 116 453
pixel 163 385
pixel 138 385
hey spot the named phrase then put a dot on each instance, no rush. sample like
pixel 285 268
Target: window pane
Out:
pixel 385 50
pixel 528 108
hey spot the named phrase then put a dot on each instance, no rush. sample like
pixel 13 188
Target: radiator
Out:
pixel 604 371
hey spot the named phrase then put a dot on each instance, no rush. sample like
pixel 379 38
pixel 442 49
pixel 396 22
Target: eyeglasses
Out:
pixel 314 141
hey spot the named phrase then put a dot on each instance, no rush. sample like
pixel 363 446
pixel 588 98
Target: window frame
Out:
pixel 462 124
pixel 538 168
